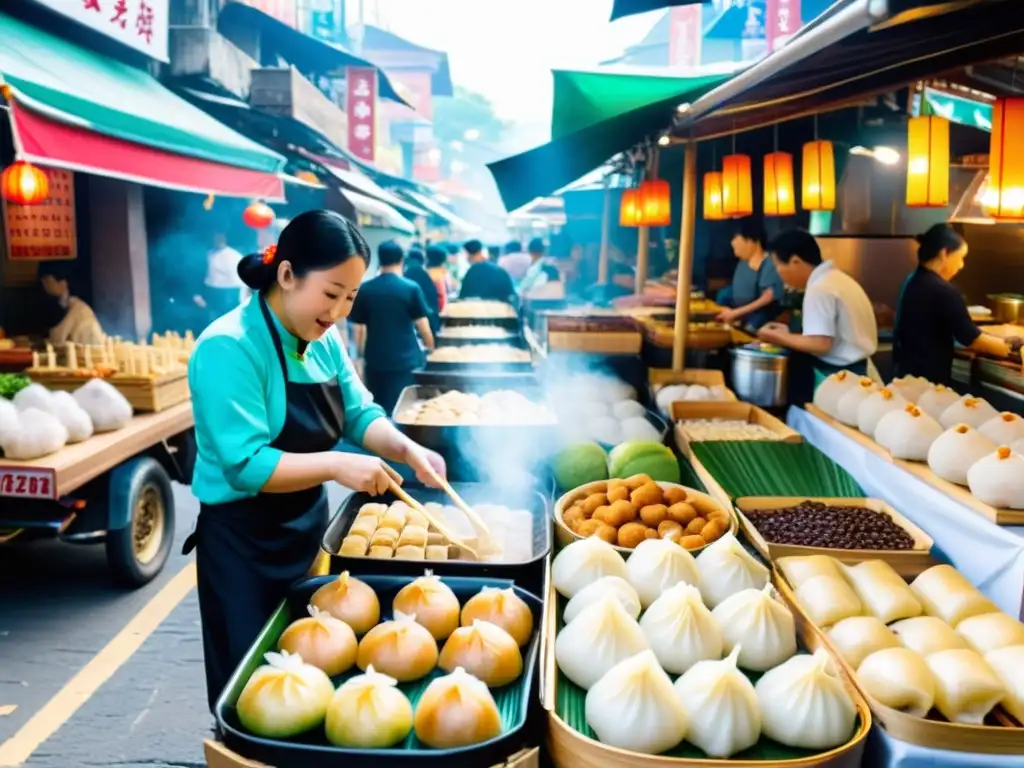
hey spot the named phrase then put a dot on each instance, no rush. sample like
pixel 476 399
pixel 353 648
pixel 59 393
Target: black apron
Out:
pixel 805 371
pixel 250 551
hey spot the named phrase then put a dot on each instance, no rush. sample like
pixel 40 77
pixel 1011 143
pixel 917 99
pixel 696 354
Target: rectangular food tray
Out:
pixel 528 573
pixel 474 380
pixel 312 750
pixel 906 562
pixel 474 368
pixel 512 323
pixel 515 340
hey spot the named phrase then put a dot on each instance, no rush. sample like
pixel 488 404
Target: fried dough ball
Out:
pixel 636 481
pixel 681 512
pixel 713 530
pixel 587 528
pixel 592 502
pixel 631 534
pixel 719 514
pixel 671 530
pixel 674 495
pixel 614 485
pixel 648 493
pixel 607 533
pixel 692 542
pixel 618 493
pixel 654 514
pixel 573 516
pixel 703 504
pixel 652 533
pixel 616 515
pixel 696 525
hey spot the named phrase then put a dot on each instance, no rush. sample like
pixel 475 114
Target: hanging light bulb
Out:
pixel 24 184
pixel 779 195
pixel 737 186
pixel 630 210
pixel 1004 199
pixel 713 196
pixel 819 179
pixel 655 203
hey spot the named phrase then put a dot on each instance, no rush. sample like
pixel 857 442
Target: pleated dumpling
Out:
pixel 828 599
pixel 798 570
pixel 899 679
pixel 998 479
pixel 955 452
pixel 681 630
pixel 831 390
pixel 935 400
pixel 657 564
pixel 849 404
pixel 907 434
pixel 858 637
pixel 966 687
pixel 601 636
pixel 1004 429
pixel 1008 664
pixel 761 625
pixel 875 406
pixel 615 586
pixel 946 594
pixel 925 635
pixel 883 592
pixel 991 631
pixel 972 411
pixel 585 561
pixel 727 568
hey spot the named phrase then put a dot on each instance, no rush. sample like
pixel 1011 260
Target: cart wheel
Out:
pixel 138 550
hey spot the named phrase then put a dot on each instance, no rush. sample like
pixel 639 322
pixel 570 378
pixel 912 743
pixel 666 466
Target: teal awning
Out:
pixel 622 8
pixel 607 115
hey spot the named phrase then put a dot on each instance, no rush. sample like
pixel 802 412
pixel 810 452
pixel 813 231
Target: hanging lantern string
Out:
pixel 776 137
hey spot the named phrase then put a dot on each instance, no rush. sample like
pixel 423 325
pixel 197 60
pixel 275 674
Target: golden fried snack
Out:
pixel 364 527
pixel 671 530
pixel 416 518
pixel 592 502
pixel 648 493
pixel 588 528
pixel 573 516
pixel 719 514
pixel 674 495
pixel 394 519
pixel 652 533
pixel 354 545
pixel 696 525
pixel 387 536
pixel 614 486
pixel 618 493
pixel 631 534
pixel 437 552
pixel 637 481
pixel 410 552
pixel 692 542
pixel 681 512
pixel 436 539
pixel 413 535
pixel 607 533
pixel 713 530
pixel 654 514
pixel 381 553
pixel 703 504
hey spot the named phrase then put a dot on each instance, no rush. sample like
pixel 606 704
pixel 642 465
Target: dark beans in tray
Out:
pixel 813 524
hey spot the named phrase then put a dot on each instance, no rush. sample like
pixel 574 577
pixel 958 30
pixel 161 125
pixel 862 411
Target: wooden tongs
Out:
pixel 485 540
pixel 439 524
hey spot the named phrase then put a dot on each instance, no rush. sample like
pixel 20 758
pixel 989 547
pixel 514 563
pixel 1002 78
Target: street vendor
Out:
pixel 838 331
pixel 79 324
pixel 753 298
pixel 274 393
pixel 485 279
pixel 932 315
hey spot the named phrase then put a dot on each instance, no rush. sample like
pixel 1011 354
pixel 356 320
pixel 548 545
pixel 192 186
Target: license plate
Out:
pixel 27 483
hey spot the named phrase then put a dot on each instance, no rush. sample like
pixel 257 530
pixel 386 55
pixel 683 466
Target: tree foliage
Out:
pixel 467 111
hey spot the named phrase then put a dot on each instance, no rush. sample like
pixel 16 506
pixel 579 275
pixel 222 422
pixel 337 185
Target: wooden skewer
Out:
pixel 398 491
pixel 483 533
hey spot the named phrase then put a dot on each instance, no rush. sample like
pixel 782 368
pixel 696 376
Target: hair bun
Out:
pixel 920 239
pixel 256 273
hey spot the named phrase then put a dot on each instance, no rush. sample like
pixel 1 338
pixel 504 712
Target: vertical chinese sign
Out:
pixel 361 106
pixel 139 24
pixel 44 232
pixel 782 22
pixel 686 34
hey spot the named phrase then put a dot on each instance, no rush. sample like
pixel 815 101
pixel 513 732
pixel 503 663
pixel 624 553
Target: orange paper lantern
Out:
pixel 1004 199
pixel 656 203
pixel 713 196
pixel 24 184
pixel 258 215
pixel 630 210
pixel 779 194
pixel 737 186
pixel 819 181
pixel 928 162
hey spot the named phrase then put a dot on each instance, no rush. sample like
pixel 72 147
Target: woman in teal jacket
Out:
pixel 274 392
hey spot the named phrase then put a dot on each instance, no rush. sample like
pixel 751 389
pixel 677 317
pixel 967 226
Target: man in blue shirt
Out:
pixel 485 279
pixel 388 312
pixel 756 290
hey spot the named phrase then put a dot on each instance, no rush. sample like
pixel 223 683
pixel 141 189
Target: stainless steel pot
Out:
pixel 1007 308
pixel 759 376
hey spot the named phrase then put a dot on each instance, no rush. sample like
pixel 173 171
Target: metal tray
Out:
pixel 515 340
pixel 528 573
pixel 312 750
pixel 512 323
pixel 472 368
pixel 476 380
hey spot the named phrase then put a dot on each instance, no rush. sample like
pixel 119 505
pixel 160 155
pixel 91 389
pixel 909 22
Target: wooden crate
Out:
pixel 906 562
pixel 598 342
pixel 150 394
pixel 687 410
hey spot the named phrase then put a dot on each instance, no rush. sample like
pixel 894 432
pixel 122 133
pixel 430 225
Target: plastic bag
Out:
pixel 108 408
pixel 38 434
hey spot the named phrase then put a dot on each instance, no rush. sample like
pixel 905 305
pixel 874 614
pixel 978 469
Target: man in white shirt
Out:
pixel 839 330
pixel 79 324
pixel 515 262
pixel 223 289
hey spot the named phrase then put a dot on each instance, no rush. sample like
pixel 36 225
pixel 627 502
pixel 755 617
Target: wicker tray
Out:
pixel 905 562
pixel 145 393
pixel 738 411
pixel 1002 739
pixel 571 748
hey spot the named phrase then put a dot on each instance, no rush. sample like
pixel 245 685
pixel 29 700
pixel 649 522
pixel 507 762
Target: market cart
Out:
pixel 113 488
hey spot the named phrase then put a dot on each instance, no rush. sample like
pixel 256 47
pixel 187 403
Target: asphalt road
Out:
pixel 58 609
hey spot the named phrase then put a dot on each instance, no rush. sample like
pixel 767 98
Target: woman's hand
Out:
pixel 369 474
pixel 426 464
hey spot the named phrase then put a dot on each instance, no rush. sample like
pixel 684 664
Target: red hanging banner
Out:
pixel 782 21
pixel 686 34
pixel 361 106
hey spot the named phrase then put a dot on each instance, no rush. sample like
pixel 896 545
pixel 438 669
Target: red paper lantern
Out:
pixel 630 210
pixel 24 184
pixel 1004 200
pixel 655 203
pixel 258 215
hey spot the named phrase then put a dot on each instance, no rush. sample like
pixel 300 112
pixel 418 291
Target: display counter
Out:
pixel 991 556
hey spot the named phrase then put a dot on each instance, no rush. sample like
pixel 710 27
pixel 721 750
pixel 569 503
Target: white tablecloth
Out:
pixel 991 556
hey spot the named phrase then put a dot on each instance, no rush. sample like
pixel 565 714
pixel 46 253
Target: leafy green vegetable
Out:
pixel 12 383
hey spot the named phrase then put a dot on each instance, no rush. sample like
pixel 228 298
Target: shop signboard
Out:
pixel 783 21
pixel 361 108
pixel 44 232
pixel 686 33
pixel 139 24
pixel 958 109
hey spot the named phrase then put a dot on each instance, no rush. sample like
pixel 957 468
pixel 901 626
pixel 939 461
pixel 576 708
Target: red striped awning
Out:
pixel 47 142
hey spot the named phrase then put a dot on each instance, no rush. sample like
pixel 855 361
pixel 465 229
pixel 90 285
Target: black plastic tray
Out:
pixel 312 750
pixel 515 340
pixel 472 368
pixel 476 380
pixel 512 323
pixel 529 573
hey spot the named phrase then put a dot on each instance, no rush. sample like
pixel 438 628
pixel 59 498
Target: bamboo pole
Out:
pixel 602 259
pixel 685 259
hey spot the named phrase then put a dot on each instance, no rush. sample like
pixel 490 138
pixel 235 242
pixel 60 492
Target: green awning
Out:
pixel 583 98
pixel 599 132
pixel 74 86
